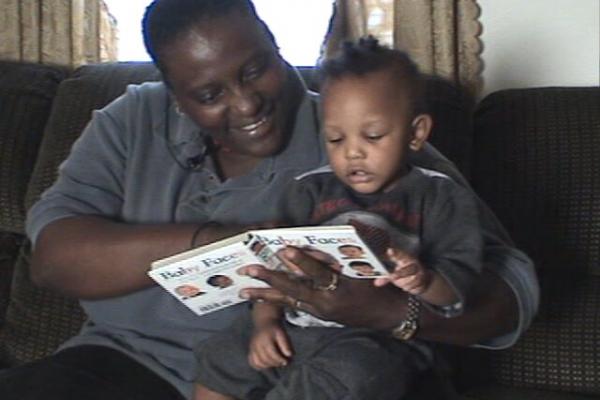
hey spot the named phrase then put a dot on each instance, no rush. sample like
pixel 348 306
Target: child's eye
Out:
pixel 374 137
pixel 334 139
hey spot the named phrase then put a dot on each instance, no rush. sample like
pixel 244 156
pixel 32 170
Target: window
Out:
pixel 298 25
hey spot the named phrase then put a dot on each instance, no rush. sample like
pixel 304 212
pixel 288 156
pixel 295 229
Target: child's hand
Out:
pixel 269 347
pixel 409 274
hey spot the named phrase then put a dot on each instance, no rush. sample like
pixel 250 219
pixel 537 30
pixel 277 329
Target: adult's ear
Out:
pixel 421 126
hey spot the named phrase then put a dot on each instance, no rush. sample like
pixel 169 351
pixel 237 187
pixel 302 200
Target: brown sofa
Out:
pixel 530 153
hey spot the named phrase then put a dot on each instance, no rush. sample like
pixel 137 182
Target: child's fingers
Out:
pixel 265 357
pixel 405 271
pixel 403 261
pixel 283 344
pixel 254 360
pixel 381 281
pixel 397 255
pixel 274 358
pixel 415 285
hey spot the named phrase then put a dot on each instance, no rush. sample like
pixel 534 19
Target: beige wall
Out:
pixel 530 43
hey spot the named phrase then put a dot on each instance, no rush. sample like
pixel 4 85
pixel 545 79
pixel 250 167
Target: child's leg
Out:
pixel 344 363
pixel 204 393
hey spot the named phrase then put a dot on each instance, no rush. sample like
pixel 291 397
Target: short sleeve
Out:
pixel 90 180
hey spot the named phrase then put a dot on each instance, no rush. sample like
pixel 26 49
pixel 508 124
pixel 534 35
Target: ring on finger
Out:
pixel 333 284
pixel 297 304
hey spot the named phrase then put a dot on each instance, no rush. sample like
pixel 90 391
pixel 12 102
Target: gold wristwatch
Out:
pixel 408 328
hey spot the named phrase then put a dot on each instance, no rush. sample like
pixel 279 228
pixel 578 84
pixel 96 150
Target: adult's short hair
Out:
pixel 166 20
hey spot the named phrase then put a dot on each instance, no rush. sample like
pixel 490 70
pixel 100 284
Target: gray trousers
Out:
pixel 328 363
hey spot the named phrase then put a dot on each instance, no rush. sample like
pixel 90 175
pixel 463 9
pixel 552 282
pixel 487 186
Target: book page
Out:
pixel 339 246
pixel 206 279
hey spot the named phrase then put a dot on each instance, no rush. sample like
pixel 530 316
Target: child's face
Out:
pixel 368 130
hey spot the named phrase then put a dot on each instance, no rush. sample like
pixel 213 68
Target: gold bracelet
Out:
pixel 195 236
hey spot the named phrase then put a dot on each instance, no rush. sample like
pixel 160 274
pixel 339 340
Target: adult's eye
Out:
pixel 208 97
pixel 255 69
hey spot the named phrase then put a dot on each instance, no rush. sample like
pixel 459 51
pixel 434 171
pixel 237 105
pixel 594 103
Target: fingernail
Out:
pixel 244 295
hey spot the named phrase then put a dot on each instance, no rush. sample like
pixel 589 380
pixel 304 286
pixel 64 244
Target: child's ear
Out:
pixel 421 126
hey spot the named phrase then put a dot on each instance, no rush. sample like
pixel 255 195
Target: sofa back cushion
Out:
pixel 26 94
pixel 536 164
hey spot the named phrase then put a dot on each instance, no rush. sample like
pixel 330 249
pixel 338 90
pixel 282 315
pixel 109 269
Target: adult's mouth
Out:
pixel 254 126
pixel 258 127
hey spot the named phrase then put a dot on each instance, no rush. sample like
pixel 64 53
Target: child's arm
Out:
pixel 410 275
pixel 264 314
pixel 451 248
pixel 269 346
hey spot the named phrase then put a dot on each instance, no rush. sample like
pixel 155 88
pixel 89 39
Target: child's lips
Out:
pixel 359 176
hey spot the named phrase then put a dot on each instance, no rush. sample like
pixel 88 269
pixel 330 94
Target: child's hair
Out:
pixel 366 56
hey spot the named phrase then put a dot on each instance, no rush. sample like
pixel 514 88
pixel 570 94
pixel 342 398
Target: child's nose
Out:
pixel 354 152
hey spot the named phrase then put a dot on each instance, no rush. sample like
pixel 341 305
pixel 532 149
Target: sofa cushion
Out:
pixel 38 320
pixel 499 392
pixel 26 94
pixel 9 250
pixel 537 166
pixel 560 351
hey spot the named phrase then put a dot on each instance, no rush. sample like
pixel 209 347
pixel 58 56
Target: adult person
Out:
pixel 233 106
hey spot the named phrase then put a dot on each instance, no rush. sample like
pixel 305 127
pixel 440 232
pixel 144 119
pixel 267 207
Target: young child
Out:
pixel 372 118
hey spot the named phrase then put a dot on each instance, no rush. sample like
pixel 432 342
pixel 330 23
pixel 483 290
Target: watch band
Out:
pixel 409 326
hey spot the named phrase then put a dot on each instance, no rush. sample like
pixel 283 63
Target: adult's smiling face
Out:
pixel 227 75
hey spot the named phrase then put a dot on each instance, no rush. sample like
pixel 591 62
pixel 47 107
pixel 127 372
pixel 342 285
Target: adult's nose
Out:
pixel 246 101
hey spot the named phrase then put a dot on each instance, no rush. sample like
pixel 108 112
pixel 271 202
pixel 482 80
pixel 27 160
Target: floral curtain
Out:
pixel 442 36
pixel 63 32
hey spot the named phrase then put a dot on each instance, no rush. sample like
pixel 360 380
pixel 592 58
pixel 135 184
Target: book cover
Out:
pixel 206 279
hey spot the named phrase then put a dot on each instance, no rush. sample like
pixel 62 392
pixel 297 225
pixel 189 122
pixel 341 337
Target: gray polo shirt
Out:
pixel 128 166
pixel 122 167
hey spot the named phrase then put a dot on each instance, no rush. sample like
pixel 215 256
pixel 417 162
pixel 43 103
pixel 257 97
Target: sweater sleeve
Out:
pixel 453 241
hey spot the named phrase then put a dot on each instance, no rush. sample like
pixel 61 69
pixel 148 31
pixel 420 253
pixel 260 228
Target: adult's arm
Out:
pixel 493 313
pixel 90 257
pixel 87 242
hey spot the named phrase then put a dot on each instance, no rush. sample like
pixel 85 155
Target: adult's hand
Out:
pixel 357 302
pixel 354 302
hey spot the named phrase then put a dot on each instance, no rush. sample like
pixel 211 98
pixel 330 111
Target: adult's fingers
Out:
pixel 284 289
pixel 311 263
